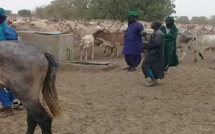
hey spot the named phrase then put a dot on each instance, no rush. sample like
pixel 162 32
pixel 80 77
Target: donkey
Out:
pixel 27 70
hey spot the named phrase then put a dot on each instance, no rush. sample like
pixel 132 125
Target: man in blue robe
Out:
pixel 6 97
pixel 132 42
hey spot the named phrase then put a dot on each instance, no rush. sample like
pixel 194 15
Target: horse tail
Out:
pixel 49 90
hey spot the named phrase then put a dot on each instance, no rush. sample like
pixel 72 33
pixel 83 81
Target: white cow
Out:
pixel 204 43
pixel 86 44
pixel 198 44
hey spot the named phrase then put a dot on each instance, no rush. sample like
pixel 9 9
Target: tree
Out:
pixel 183 20
pixel 24 13
pixel 8 12
pixel 212 20
pixel 107 9
pixel 199 20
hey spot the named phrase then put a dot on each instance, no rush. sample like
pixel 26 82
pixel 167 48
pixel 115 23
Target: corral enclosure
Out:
pixel 99 100
pixel 61 46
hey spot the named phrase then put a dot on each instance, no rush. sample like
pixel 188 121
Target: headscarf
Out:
pixel 131 14
pixel 171 21
pixel 3 24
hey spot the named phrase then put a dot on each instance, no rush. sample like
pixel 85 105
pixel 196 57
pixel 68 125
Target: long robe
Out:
pixel 132 44
pixel 133 39
pixel 6 98
pixel 154 60
pixel 170 58
pixel 2 24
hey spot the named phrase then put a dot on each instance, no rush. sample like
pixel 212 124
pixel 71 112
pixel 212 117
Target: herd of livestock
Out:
pixel 109 34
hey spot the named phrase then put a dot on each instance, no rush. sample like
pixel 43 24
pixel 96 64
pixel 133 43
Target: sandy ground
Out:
pixel 116 101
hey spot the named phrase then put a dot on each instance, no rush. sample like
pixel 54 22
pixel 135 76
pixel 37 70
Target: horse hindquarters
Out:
pixel 36 112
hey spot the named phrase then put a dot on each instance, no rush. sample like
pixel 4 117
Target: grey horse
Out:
pixel 27 70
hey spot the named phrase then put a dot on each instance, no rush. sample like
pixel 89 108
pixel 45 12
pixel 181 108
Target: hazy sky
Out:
pixel 183 7
pixel 195 7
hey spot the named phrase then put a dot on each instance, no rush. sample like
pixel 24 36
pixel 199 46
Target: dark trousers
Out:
pixel 133 60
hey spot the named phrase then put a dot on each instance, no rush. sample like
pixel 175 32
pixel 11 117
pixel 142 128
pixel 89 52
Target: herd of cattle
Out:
pixel 109 34
pixel 198 40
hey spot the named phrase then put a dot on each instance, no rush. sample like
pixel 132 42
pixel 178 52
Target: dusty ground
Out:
pixel 116 101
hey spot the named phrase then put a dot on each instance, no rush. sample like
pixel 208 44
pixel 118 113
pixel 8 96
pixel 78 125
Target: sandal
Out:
pixel 20 106
pixel 151 84
pixel 127 68
pixel 17 105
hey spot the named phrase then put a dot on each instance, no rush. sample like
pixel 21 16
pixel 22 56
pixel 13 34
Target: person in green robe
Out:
pixel 170 32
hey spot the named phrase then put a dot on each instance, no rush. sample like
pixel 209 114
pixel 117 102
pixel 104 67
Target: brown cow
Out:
pixel 115 37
